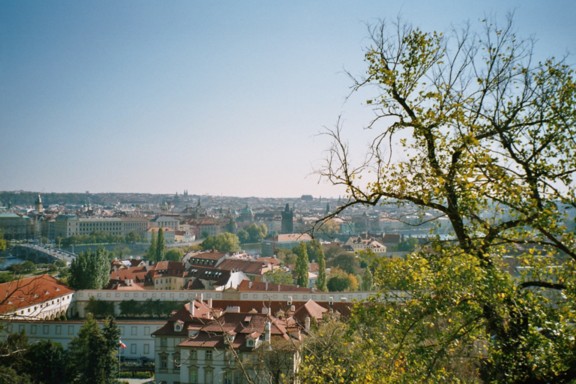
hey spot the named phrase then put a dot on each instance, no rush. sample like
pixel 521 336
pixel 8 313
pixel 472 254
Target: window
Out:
pixel 70 330
pixel 163 361
pixel 209 376
pixel 58 329
pixel 193 355
pixel 163 342
pixel 133 331
pixel 193 375
pixel 208 355
pixel 45 329
pixel 146 349
pixel 133 348
pixel 177 361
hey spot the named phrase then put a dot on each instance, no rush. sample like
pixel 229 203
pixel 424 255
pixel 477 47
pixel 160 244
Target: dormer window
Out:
pixel 178 326
pixel 193 332
pixel 229 337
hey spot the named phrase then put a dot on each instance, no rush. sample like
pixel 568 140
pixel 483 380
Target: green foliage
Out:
pixel 314 249
pixel 174 254
pixel 100 309
pixel 152 249
pixel 326 357
pixel 301 268
pixel 99 238
pixel 93 353
pixel 3 242
pixel 408 245
pixel 286 256
pixel 133 237
pixel 24 268
pixel 12 351
pixel 46 362
pixel 253 233
pixel 279 276
pixel 346 261
pixel 223 242
pixel 148 308
pixel 487 141
pixel 90 270
pixel 160 246
pixel 41 362
pixel 6 277
pixel 321 282
pixel 339 280
pixel 367 281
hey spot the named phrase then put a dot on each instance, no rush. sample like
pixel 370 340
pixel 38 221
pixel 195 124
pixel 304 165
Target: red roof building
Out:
pixel 34 298
pixel 199 343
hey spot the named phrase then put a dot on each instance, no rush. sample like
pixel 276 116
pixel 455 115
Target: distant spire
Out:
pixel 38 204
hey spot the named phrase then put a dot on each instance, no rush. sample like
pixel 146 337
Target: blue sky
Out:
pixel 212 97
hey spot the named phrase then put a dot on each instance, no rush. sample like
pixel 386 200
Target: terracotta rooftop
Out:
pixel 29 291
pixel 138 274
pixel 252 267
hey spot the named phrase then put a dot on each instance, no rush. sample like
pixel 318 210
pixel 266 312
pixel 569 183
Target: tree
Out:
pixel 3 242
pixel 326 357
pixel 46 362
pixel 90 270
pixel 174 254
pixel 100 309
pixel 24 268
pixel 93 353
pixel 12 361
pixel 367 280
pixel 340 280
pixel 314 248
pixel 223 242
pixel 472 129
pixel 346 261
pixel 152 249
pixel 160 246
pixel 301 269
pixel 256 232
pixel 279 276
pixel 132 237
pixel 321 281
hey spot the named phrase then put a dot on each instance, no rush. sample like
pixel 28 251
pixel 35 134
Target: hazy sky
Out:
pixel 213 97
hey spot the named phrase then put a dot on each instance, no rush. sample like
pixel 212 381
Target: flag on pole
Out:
pixel 121 344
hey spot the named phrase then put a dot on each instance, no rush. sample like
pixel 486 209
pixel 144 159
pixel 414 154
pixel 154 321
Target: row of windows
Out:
pixel 72 329
pixel 43 305
pixel 134 330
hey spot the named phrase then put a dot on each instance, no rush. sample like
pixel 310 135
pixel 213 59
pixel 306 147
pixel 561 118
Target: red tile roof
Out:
pixel 30 291
pixel 250 267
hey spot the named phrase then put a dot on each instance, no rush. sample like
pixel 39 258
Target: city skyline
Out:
pixel 223 99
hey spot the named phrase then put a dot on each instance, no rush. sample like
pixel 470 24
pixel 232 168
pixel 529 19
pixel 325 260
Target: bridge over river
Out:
pixel 42 253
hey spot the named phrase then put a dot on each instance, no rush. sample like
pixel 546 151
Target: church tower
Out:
pixel 38 204
pixel 287 225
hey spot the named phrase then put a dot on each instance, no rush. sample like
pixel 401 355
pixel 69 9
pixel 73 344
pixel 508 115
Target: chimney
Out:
pixel 210 303
pixel 192 308
pixel 307 323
